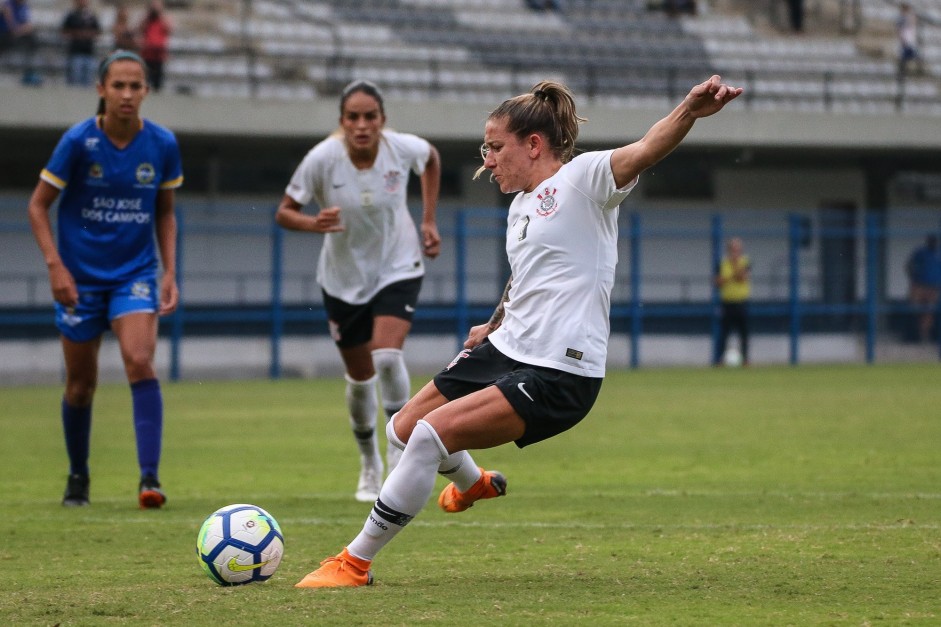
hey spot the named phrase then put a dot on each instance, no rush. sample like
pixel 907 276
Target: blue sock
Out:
pixel 148 424
pixel 76 423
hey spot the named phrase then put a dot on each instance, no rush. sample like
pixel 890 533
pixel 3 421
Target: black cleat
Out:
pixel 76 491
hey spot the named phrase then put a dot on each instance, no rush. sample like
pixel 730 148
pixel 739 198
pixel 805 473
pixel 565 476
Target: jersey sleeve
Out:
pixel 309 176
pixel 172 164
pixel 58 170
pixel 412 149
pixel 591 174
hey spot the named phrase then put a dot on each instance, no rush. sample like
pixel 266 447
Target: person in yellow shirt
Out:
pixel 733 279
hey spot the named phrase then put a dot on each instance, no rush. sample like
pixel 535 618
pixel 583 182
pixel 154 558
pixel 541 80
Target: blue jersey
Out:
pixel 107 211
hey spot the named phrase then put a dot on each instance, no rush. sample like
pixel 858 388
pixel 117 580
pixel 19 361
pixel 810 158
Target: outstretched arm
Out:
pixel 702 101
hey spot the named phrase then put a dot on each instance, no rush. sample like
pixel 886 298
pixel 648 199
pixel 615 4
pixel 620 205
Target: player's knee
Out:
pixel 139 365
pixel 387 359
pixel 79 392
pixel 392 437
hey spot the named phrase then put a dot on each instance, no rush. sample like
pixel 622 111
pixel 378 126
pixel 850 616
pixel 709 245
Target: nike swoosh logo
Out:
pixel 335 186
pixel 235 567
pixel 409 309
pixel 523 390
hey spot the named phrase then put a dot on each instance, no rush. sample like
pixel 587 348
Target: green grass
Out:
pixel 768 496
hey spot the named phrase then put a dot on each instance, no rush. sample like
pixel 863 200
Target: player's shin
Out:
pixel 394 387
pixel 404 493
pixel 362 403
pixel 460 468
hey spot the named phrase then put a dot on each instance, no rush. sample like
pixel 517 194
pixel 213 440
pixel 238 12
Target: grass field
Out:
pixel 768 496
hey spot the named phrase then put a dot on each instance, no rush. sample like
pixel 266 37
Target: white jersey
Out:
pixel 380 243
pixel 561 241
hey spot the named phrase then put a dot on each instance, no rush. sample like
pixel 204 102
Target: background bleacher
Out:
pixel 617 52
pixel 826 133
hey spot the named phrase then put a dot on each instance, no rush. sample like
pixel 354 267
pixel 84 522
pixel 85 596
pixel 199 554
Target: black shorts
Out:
pixel 351 325
pixel 549 401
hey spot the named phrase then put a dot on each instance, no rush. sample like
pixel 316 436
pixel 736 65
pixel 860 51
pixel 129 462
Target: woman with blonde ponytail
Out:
pixel 535 368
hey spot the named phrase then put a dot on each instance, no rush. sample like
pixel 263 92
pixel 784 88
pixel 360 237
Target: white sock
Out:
pixel 394 384
pixel 363 404
pixel 394 446
pixel 404 493
pixel 394 387
pixel 460 468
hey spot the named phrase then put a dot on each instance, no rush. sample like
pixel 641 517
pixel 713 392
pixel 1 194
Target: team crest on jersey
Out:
pixel 393 179
pixel 547 202
pixel 140 289
pixel 96 171
pixel 464 353
pixel 145 174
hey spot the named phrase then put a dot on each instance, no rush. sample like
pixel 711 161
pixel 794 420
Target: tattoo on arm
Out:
pixel 497 316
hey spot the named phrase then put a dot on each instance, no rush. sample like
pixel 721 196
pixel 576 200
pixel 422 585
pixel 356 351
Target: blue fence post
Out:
pixel 176 323
pixel 636 312
pixel 795 232
pixel 717 237
pixel 460 261
pixel 277 305
pixel 872 259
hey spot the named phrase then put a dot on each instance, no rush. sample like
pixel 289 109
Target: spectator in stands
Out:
pixel 18 34
pixel 535 368
pixel 924 277
pixel 155 31
pixel 733 280
pixel 907 29
pixel 117 174
pixel 544 5
pixel 370 267
pixel 674 8
pixel 795 10
pixel 123 34
pixel 80 29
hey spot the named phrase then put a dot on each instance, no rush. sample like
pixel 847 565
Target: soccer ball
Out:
pixel 239 544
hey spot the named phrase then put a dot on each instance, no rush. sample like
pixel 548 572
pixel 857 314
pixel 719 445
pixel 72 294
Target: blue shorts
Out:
pixel 98 306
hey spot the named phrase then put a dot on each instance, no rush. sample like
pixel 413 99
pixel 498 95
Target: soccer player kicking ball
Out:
pixel 535 369
pixel 117 174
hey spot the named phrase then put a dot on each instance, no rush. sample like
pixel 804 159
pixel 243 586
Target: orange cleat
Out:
pixel 342 571
pixel 150 496
pixel 491 484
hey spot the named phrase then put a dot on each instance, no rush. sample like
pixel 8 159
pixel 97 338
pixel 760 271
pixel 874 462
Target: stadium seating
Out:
pixel 619 52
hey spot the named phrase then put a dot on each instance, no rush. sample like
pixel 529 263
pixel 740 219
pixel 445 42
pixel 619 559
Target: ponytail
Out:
pixel 548 109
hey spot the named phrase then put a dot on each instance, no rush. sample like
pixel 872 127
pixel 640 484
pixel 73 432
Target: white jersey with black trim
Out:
pixel 561 241
pixel 380 243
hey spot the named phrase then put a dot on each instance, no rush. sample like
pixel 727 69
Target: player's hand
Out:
pixel 169 296
pixel 710 96
pixel 64 290
pixel 430 240
pixel 328 221
pixel 478 334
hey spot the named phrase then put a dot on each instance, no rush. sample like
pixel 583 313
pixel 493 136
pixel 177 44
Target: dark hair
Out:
pixel 367 87
pixel 549 109
pixel 105 65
